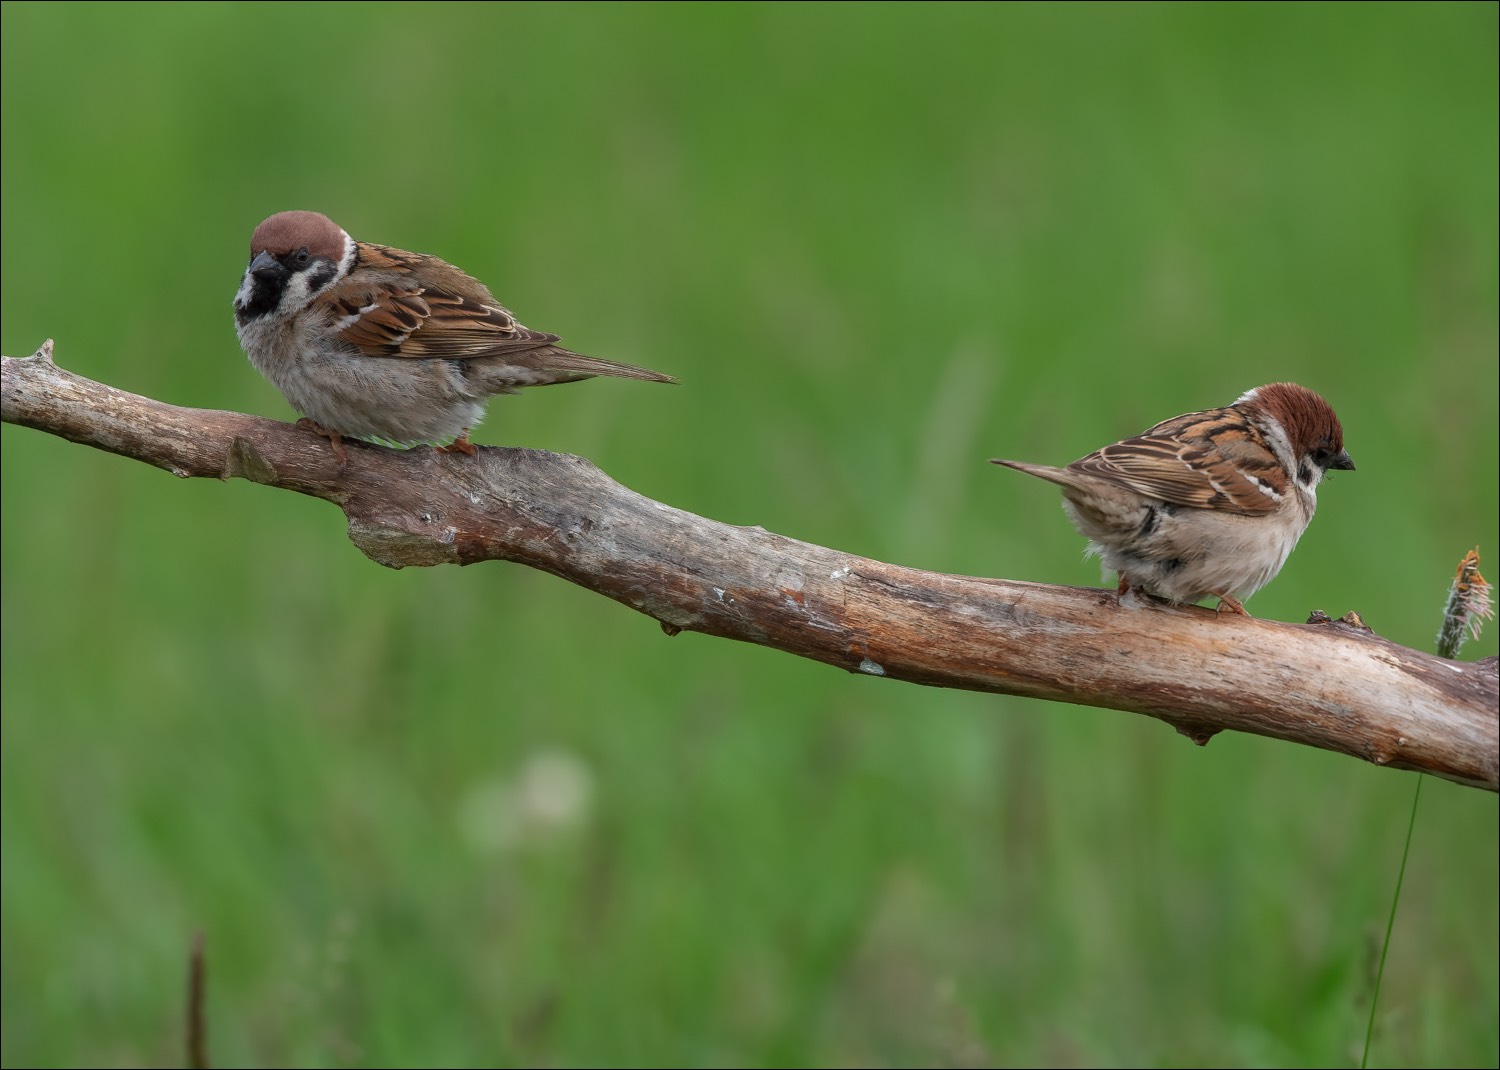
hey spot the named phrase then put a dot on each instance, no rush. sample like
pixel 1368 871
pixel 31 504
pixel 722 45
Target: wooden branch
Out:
pixel 1331 684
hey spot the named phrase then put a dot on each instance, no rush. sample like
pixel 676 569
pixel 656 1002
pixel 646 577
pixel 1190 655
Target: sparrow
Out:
pixel 1209 503
pixel 377 343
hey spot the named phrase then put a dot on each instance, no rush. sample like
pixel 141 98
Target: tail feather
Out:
pixel 556 359
pixel 1061 476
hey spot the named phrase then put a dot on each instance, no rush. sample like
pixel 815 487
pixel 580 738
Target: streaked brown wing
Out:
pixel 1204 460
pixel 429 323
pixel 422 307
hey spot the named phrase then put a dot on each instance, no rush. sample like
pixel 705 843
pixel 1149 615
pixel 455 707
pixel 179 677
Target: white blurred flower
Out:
pixel 549 796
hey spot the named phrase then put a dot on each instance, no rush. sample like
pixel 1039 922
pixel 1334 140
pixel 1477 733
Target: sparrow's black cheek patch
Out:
pixel 1304 474
pixel 320 276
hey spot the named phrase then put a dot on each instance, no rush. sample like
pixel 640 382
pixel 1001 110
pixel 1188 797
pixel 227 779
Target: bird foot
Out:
pixel 1138 596
pixel 335 439
pixel 1231 603
pixel 461 444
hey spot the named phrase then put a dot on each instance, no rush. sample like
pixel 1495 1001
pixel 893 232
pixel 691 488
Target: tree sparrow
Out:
pixel 382 344
pixel 1210 503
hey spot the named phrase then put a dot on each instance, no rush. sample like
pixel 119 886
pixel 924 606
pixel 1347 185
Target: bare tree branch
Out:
pixel 1331 684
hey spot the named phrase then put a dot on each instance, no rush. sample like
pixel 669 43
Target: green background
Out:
pixel 479 816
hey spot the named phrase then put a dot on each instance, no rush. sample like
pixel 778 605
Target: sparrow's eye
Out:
pixel 301 257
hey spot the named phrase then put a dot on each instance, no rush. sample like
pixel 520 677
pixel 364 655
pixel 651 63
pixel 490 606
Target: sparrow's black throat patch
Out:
pixel 265 294
pixel 264 298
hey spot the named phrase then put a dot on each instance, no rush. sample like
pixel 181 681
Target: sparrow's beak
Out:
pixel 1343 462
pixel 266 267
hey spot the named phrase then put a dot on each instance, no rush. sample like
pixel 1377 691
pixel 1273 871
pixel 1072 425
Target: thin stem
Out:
pixel 1390 924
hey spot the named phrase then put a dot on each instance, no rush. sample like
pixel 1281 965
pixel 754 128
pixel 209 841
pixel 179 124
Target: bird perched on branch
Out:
pixel 377 343
pixel 1210 503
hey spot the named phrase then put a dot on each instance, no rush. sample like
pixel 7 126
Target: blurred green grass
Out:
pixel 481 817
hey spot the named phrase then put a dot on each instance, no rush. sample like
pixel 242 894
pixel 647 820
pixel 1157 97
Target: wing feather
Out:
pixel 409 306
pixel 401 304
pixel 1204 460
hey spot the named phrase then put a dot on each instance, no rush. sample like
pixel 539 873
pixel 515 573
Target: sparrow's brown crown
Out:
pixel 1310 424
pixel 288 231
